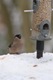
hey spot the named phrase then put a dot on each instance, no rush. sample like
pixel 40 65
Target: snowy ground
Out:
pixel 26 67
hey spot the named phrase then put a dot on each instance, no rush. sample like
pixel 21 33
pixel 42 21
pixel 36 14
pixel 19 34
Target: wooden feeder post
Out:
pixel 41 23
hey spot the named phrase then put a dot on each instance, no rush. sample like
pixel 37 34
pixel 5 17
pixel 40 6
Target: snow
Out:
pixel 26 67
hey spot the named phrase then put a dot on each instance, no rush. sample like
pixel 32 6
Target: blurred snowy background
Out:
pixel 13 20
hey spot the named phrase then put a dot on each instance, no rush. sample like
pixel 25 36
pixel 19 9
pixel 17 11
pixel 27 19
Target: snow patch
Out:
pixel 26 67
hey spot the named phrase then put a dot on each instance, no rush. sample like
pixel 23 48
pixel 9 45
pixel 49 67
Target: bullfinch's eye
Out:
pixel 18 36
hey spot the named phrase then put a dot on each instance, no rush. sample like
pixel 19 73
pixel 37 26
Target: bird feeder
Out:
pixel 41 24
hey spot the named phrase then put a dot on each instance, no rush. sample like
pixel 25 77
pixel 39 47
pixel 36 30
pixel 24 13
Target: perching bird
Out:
pixel 16 47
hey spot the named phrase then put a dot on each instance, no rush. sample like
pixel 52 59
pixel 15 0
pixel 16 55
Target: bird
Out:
pixel 16 47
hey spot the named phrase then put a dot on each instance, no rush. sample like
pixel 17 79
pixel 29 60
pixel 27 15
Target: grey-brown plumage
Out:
pixel 16 47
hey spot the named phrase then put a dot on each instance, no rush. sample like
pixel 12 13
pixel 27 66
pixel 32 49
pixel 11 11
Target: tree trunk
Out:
pixel 25 5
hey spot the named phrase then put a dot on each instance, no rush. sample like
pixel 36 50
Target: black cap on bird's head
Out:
pixel 18 36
